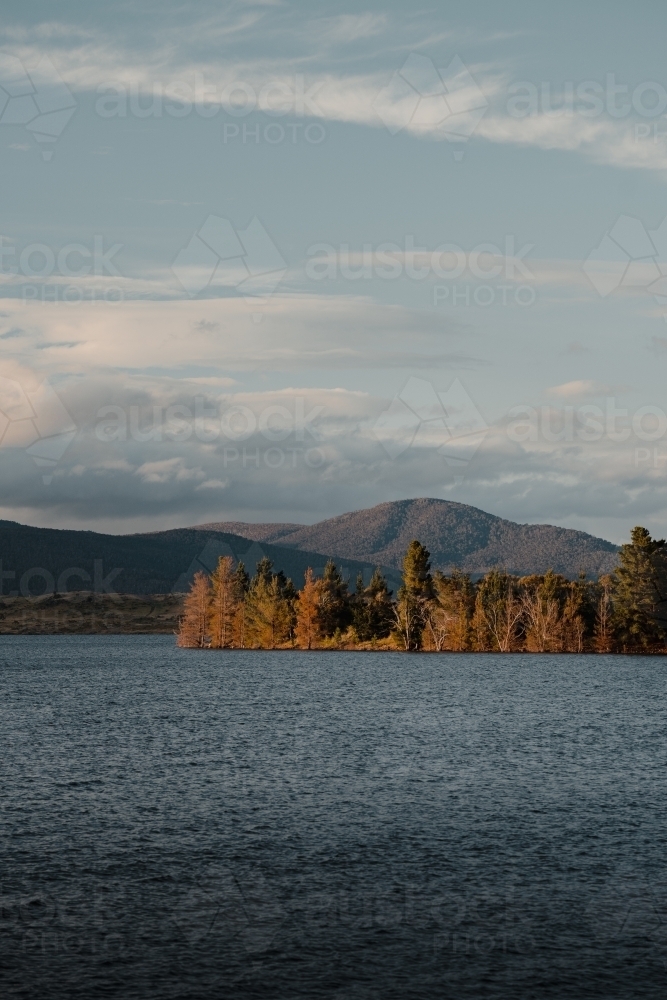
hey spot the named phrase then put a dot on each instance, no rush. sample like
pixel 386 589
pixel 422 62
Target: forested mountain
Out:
pixel 454 533
pixel 256 532
pixel 39 560
pixel 165 561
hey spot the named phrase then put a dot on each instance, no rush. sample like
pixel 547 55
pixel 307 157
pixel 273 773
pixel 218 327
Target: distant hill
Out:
pixel 455 534
pixel 41 560
pixel 256 532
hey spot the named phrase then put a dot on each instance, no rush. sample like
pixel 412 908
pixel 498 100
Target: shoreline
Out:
pixel 297 649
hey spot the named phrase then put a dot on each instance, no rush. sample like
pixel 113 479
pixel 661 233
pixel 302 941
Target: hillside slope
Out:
pixel 455 534
pixel 255 532
pixel 43 560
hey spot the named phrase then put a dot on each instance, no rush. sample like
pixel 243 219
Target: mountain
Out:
pixel 455 534
pixel 43 560
pixel 256 532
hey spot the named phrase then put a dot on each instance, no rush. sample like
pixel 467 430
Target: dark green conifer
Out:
pixel 640 591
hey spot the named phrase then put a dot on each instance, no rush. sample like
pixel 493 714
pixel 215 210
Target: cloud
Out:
pixel 220 335
pixel 346 28
pixel 602 140
pixel 581 389
pixel 168 470
pixel 303 453
pixel 88 60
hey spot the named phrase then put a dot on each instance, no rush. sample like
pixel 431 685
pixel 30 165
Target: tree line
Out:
pixel 625 611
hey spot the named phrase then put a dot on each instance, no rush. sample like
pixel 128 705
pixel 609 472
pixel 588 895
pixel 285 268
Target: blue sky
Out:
pixel 335 256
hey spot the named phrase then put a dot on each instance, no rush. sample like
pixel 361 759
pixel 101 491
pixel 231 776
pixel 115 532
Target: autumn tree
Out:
pixel 640 591
pixel 497 619
pixel 268 620
pixel 224 604
pixel 542 599
pixel 408 622
pixel 447 616
pixel 603 634
pixel 578 615
pixel 308 630
pixel 193 626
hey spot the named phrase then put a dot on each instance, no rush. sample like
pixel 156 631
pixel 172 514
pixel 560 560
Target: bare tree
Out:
pixel 543 622
pixel 498 613
pixel 408 621
pixel 604 624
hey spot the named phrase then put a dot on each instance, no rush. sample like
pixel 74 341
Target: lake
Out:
pixel 189 824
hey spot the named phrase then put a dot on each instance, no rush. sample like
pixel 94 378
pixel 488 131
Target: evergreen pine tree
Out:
pixel 335 612
pixel 380 608
pixel 416 591
pixel 417 579
pixel 242 580
pixel 640 591
pixel 372 609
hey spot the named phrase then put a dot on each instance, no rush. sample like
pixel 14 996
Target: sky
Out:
pixel 275 261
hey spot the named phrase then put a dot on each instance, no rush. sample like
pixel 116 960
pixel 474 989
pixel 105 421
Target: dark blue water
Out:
pixel 205 824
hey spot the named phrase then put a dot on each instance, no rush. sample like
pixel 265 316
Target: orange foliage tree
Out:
pixel 308 619
pixel 193 626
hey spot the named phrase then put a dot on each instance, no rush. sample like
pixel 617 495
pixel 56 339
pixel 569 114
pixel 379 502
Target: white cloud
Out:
pixel 581 389
pixel 232 467
pixel 602 140
pixel 87 61
pixel 167 470
pixel 345 28
pixel 296 332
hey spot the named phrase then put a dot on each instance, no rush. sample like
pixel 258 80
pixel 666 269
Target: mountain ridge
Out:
pixel 35 561
pixel 457 535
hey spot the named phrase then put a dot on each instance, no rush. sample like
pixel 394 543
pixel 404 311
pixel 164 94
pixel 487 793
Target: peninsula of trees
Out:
pixel 625 611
